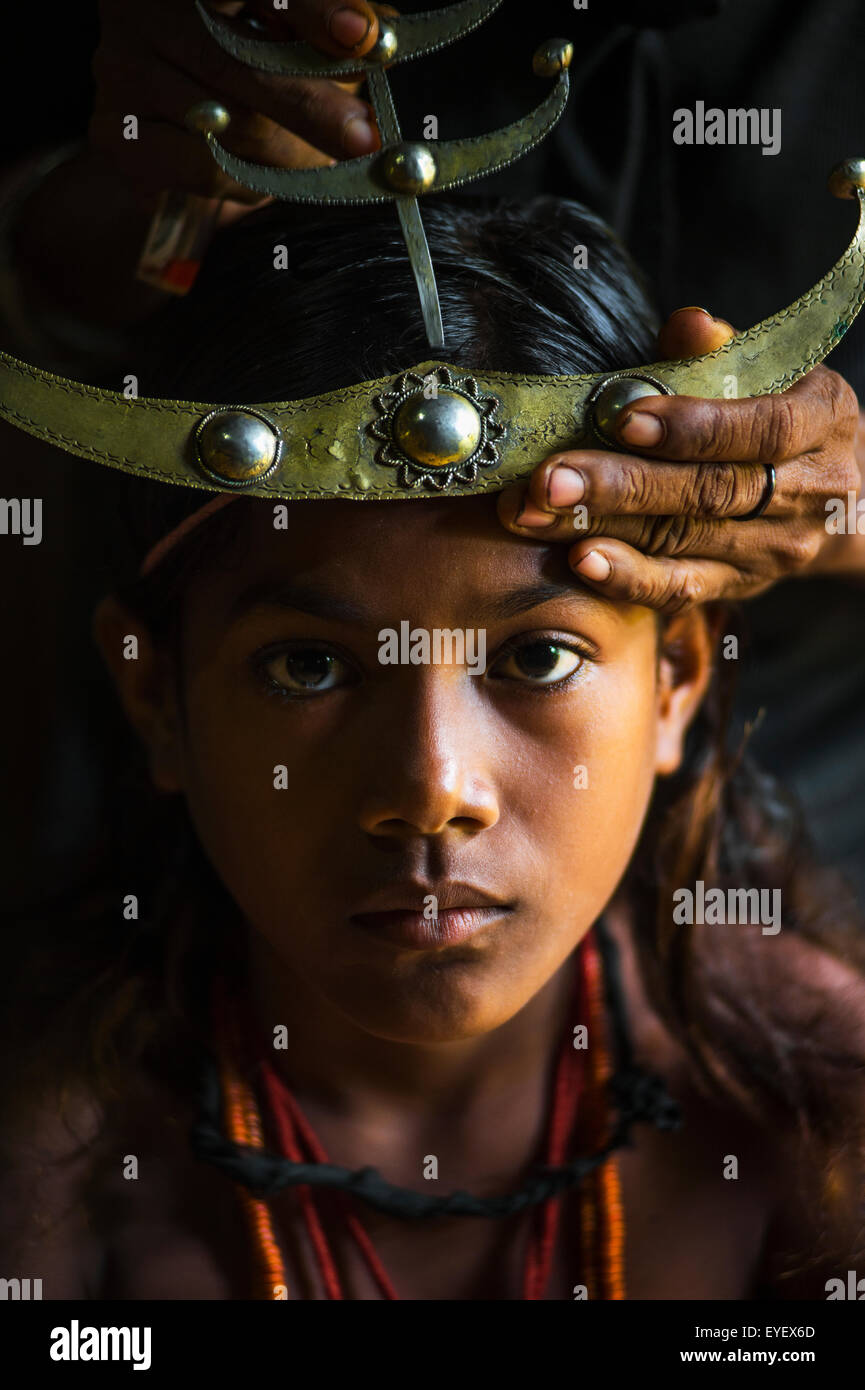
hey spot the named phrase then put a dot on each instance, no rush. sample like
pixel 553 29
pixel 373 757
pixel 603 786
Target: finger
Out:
pixel 161 93
pixel 607 484
pixel 162 157
pixel 164 154
pixel 759 553
pixel 691 332
pixel 519 514
pixel 321 112
pixel 759 429
pixel 666 534
pixel 338 27
pixel 166 93
pixel 622 573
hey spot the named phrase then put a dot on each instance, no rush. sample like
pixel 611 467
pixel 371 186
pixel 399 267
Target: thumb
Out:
pixel 692 331
pixel 347 28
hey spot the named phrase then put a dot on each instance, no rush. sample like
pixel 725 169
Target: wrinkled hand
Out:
pixel 155 60
pixel 661 521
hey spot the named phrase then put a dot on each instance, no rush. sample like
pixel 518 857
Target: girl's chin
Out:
pixel 442 1012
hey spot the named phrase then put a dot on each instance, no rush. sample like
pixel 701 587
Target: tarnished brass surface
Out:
pixel 361 180
pixel 330 449
pixel 416 34
pixel 778 351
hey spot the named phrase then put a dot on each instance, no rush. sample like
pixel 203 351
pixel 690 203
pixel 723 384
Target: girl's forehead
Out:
pixel 476 514
pixel 389 543
pixel 448 561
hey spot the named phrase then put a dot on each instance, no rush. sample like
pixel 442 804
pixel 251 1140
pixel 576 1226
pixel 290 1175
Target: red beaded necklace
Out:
pixel 579 1085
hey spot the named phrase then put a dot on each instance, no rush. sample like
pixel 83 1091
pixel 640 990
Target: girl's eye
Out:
pixel 307 670
pixel 543 663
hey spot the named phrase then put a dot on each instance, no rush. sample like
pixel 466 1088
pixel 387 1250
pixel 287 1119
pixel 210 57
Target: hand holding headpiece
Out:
pixel 434 428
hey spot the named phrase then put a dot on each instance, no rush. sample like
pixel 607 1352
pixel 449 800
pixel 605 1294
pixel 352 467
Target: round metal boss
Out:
pixel 552 57
pixel 612 398
pixel 439 432
pixel 237 446
pixel 409 168
pixel 207 118
pixel 846 177
pixel 385 47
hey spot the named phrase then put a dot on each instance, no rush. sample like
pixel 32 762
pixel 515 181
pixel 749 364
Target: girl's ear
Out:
pixel 146 684
pixel 688 644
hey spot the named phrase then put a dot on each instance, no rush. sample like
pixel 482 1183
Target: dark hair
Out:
pixel 344 311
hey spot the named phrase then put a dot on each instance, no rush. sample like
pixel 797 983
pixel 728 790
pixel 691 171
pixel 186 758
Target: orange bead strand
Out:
pixel 244 1127
pixel 609 1208
pixel 602 1225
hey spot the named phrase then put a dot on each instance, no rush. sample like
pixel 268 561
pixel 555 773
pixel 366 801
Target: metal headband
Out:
pixel 432 429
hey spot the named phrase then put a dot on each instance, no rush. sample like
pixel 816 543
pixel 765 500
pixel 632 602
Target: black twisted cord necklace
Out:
pixel 637 1095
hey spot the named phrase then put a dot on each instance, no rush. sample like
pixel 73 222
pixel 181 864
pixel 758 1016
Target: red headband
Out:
pixel 158 552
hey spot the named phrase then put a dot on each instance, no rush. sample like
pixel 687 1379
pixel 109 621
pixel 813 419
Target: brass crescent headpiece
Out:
pixel 432 429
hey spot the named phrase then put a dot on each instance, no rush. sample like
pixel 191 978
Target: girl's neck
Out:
pixel 337 1065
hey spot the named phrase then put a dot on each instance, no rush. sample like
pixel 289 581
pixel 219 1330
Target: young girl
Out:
pixel 419 917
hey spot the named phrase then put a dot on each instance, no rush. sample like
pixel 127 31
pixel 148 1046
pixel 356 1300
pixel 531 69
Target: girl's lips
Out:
pixel 412 929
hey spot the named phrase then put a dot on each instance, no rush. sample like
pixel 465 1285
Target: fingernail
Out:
pixel 359 136
pixel 565 486
pixel 688 308
pixel 348 27
pixel 533 516
pixel 642 429
pixel 595 566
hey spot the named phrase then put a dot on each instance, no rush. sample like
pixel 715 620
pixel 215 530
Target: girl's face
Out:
pixel 346 799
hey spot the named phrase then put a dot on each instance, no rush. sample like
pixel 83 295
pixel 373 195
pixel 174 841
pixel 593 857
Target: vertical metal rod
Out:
pixel 409 215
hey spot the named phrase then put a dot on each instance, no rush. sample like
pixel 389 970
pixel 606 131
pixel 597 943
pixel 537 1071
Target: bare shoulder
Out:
pixel 110 1202
pixel 815 1244
pixel 810 981
pixel 800 1004
pixel 796 1012
pixel 48 1162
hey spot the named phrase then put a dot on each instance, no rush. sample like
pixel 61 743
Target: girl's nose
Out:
pixel 433 768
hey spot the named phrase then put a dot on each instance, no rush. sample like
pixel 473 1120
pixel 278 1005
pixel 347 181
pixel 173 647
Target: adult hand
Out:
pixel 661 528
pixel 78 236
pixel 155 60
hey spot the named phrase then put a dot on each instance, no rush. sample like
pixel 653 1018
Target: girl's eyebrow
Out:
pixel 318 603
pixel 324 603
pixel 512 602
